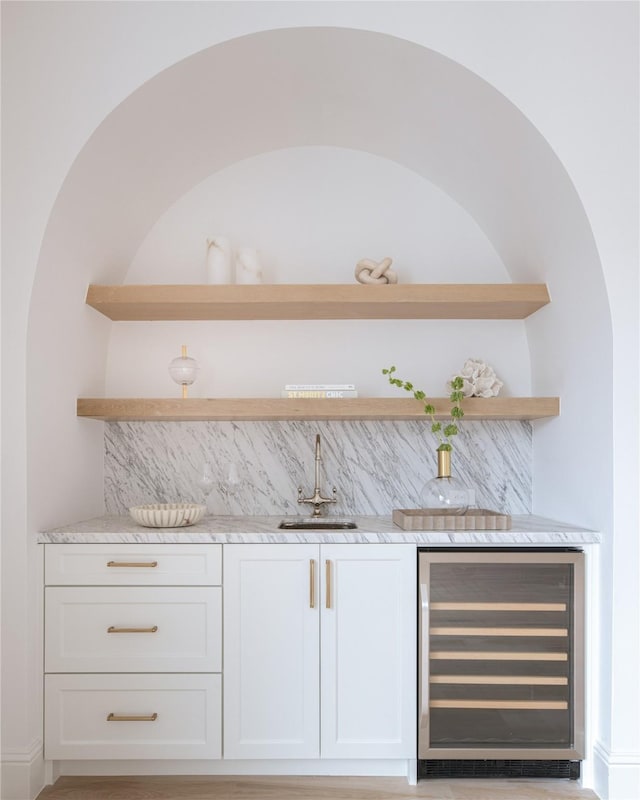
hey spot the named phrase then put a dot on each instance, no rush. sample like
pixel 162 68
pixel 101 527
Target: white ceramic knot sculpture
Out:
pixel 248 267
pixel 369 271
pixel 219 260
pixel 478 379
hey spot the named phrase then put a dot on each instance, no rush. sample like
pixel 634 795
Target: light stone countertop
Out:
pixel 526 530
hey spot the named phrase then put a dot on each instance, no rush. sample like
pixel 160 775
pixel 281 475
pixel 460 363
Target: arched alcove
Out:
pixel 307 87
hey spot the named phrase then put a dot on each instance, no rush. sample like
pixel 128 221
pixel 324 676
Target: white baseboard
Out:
pixel 616 775
pixel 22 773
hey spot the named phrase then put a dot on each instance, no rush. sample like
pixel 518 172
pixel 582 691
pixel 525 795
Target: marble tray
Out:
pixel 431 519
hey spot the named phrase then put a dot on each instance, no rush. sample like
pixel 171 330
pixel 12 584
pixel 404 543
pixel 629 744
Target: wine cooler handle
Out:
pixel 424 650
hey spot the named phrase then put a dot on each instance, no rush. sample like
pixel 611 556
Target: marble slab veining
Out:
pixel 376 466
pixel 525 530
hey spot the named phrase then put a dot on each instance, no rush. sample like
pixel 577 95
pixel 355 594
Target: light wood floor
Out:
pixel 306 788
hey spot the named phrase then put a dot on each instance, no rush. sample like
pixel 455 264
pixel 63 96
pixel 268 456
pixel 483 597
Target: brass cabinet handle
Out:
pixel 328 583
pixel 113 629
pixel 132 563
pixel 132 717
pixel 312 583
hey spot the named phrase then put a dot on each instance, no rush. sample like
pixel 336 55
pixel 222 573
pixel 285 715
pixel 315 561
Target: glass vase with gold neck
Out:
pixel 445 493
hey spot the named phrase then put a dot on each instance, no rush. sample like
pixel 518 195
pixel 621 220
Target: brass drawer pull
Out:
pixel 132 563
pixel 132 717
pixel 113 629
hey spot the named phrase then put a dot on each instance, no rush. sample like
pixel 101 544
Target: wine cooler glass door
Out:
pixel 501 647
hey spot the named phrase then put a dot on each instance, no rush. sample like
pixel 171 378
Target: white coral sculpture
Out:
pixel 478 379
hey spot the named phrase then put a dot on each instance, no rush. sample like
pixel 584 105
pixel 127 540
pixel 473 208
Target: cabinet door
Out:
pixel 271 641
pixel 368 661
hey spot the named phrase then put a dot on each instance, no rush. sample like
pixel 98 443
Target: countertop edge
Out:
pixel 111 529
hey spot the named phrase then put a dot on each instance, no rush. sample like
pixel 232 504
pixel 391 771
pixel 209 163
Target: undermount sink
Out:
pixel 317 524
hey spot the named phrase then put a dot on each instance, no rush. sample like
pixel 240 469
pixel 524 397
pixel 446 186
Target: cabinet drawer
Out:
pixel 133 564
pixel 133 629
pixel 175 716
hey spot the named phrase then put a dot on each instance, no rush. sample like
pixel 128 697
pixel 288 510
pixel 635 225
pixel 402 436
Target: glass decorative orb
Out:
pixel 184 370
pixel 447 494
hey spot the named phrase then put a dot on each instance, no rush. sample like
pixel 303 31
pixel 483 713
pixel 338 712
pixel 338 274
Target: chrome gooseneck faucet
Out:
pixel 317 500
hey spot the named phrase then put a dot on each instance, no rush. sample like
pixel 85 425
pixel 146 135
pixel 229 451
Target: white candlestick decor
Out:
pixel 219 269
pixel 248 267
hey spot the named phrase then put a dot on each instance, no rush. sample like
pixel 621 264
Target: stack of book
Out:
pixel 320 390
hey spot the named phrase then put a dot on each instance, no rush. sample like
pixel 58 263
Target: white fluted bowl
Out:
pixel 167 515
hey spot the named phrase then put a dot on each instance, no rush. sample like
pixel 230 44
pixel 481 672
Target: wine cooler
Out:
pixel 502 657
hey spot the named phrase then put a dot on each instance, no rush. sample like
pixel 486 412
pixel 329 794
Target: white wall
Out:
pixel 569 67
pixel 313 213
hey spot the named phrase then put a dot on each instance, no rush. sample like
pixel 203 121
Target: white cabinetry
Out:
pixel 271 667
pixel 320 651
pixel 147 716
pixel 133 629
pixel 368 651
pixel 133 565
pixel 133 651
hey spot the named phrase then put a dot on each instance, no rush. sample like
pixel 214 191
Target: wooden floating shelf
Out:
pixel 255 409
pixel 319 301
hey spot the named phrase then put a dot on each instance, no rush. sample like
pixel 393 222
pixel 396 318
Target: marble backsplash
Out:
pixel 375 465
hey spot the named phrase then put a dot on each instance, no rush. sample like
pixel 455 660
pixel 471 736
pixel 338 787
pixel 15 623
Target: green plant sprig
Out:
pixel 444 433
